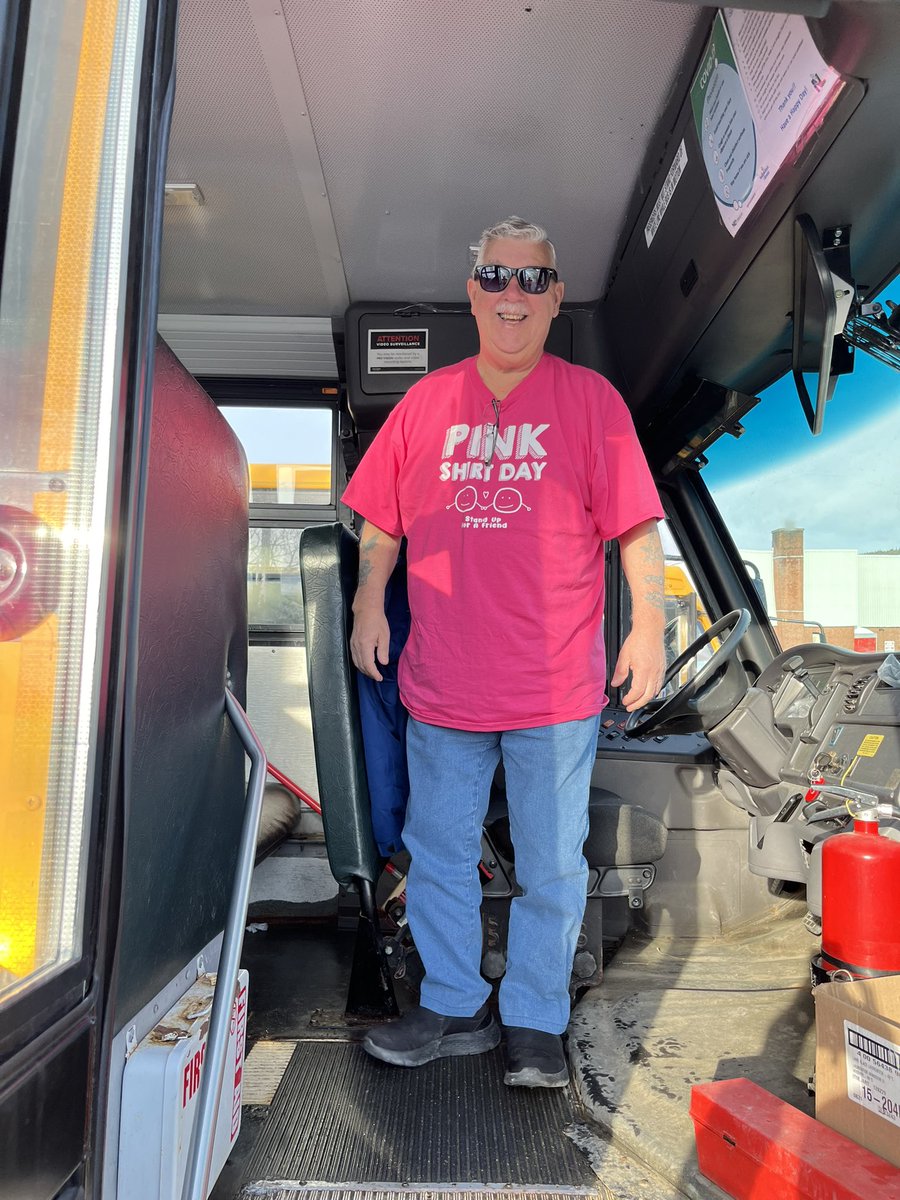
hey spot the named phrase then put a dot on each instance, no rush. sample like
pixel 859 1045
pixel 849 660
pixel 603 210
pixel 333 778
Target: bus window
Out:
pixel 274 595
pixel 817 518
pixel 290 453
pixel 306 434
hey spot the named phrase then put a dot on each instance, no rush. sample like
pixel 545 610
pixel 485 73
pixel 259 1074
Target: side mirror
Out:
pixel 823 298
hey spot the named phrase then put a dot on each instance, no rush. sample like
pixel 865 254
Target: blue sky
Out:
pixel 842 487
pixel 777 428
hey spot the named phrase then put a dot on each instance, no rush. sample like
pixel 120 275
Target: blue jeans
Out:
pixel 548 773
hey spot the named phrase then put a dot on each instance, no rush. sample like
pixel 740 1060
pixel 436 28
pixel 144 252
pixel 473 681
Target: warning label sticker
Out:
pixel 398 351
pixel 869 745
pixel 873 1072
pixel 676 170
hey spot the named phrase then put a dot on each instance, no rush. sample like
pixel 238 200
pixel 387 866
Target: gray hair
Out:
pixel 518 230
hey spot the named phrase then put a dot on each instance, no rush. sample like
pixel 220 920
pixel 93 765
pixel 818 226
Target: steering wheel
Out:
pixel 707 697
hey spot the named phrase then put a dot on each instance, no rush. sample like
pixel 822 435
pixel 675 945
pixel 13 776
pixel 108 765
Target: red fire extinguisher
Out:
pixel 861 898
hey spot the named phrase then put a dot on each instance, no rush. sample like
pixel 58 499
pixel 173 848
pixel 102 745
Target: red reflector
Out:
pixel 757 1147
pixel 813 793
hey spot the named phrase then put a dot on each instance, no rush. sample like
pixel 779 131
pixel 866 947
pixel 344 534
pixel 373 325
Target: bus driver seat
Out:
pixel 624 842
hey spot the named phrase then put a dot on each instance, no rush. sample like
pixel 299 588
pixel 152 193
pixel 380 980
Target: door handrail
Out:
pixel 197 1168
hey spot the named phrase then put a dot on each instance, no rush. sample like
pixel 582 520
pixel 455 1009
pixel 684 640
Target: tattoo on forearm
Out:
pixel 366 565
pixel 651 554
pixel 654 597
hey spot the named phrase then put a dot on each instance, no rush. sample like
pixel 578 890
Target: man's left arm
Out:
pixel 643 651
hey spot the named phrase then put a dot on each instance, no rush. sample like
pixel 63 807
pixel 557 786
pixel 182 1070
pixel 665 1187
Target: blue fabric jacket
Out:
pixel 384 721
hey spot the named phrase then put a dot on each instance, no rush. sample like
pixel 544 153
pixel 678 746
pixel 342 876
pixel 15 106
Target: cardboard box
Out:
pixel 858 1062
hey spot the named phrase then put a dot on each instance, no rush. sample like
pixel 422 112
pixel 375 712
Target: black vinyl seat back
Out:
pixel 184 777
pixel 329 564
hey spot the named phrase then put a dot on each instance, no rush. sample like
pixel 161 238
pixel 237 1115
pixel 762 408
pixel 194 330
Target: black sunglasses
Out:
pixel 533 280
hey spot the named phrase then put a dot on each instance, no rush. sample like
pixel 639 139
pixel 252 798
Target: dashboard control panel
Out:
pixel 674 747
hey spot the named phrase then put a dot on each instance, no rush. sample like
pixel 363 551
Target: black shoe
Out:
pixel 422 1035
pixel 534 1058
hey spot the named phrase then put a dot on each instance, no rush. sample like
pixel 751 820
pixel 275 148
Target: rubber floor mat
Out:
pixel 296 1191
pixel 340 1116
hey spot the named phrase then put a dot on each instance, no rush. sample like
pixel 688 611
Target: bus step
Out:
pixel 340 1116
pixel 285 1190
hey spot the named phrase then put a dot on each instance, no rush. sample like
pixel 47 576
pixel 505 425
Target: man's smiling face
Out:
pixel 512 325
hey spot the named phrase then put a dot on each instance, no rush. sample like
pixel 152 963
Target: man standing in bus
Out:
pixel 506 473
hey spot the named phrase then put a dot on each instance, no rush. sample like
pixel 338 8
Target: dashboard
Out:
pixel 832 718
pixel 816 713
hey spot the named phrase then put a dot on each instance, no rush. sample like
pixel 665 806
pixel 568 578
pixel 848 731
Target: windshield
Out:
pixel 816 518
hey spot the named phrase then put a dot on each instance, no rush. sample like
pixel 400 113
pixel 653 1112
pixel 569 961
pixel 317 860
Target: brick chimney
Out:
pixel 787 547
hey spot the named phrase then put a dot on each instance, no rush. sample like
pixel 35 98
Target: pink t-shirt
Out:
pixel 505 561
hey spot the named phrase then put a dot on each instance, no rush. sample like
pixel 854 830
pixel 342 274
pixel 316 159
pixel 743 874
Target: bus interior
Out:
pixel 235 233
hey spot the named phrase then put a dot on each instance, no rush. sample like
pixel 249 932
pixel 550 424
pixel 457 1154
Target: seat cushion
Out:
pixel 279 814
pixel 620 835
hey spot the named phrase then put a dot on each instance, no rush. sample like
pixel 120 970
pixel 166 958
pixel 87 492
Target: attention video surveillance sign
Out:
pixel 398 351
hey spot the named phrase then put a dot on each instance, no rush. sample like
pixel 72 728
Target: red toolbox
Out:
pixel 756 1147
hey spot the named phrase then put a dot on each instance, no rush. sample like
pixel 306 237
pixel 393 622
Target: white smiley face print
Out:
pixel 506 501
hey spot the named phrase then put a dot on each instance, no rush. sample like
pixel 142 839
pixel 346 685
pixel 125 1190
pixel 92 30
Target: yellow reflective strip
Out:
pixel 28 666
pixel 76 237
pixel 27 686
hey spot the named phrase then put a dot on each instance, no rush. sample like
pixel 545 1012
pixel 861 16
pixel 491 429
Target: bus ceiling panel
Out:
pixel 276 347
pixel 253 233
pixel 699 303
pixel 391 133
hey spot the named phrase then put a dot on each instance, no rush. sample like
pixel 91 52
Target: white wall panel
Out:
pixel 831 587
pixel 879 589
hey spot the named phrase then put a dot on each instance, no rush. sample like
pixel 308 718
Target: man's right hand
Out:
pixel 370 640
